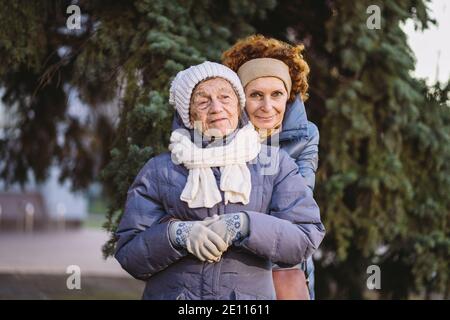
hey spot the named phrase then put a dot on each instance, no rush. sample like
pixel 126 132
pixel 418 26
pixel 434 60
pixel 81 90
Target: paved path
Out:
pixel 52 252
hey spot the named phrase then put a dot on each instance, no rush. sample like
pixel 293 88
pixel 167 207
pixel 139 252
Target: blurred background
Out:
pixel 84 103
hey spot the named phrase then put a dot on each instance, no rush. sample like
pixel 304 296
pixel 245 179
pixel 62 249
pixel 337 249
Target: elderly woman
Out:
pixel 274 76
pixel 204 221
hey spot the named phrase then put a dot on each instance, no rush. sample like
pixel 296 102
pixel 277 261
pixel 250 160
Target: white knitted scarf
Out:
pixel 235 179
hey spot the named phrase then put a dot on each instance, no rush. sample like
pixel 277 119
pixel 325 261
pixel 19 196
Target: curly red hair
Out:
pixel 258 46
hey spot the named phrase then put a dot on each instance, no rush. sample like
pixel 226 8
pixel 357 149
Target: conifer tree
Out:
pixel 384 170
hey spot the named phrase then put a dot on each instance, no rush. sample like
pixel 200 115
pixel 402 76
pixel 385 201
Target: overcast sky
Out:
pixel 432 47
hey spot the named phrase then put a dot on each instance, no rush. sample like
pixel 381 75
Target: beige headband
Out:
pixel 265 67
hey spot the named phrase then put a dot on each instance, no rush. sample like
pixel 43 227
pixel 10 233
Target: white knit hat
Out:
pixel 186 80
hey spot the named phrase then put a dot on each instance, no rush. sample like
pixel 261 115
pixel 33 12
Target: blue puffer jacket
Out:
pixel 284 221
pixel 300 139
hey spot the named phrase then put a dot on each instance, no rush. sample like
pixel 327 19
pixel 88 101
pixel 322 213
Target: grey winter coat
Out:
pixel 284 222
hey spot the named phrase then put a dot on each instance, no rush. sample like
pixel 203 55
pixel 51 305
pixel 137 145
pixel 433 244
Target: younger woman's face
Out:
pixel 266 101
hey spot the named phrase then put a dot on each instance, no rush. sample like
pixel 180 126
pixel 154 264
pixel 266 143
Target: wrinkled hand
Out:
pixel 198 239
pixel 230 227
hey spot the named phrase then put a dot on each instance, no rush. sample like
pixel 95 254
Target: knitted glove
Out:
pixel 198 239
pixel 230 227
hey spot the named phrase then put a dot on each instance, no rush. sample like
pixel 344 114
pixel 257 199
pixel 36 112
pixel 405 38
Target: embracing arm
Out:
pixel 307 160
pixel 143 246
pixel 292 230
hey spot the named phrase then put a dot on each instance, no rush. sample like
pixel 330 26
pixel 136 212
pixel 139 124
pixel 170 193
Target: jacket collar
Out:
pixel 295 121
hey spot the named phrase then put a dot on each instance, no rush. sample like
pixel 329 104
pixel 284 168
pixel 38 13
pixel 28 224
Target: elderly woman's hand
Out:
pixel 198 239
pixel 230 227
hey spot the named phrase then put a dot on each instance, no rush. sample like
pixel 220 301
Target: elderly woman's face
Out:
pixel 266 101
pixel 214 106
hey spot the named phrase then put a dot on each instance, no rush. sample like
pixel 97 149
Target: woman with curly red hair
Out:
pixel 274 76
